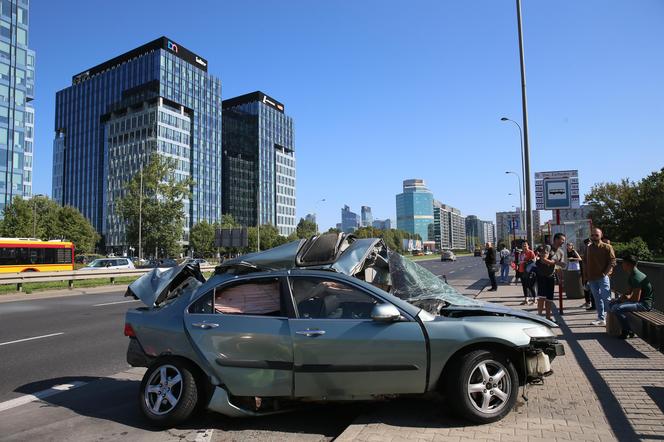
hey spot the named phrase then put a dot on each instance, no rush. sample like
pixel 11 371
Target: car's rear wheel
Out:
pixel 168 394
pixel 484 386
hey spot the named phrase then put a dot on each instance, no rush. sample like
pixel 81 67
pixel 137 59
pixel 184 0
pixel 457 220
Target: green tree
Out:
pixel 636 247
pixel 201 239
pixel 306 229
pixel 162 207
pixel 43 218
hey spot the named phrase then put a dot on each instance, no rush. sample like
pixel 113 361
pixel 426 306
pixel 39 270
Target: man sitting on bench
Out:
pixel 637 299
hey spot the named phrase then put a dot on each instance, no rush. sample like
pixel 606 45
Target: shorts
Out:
pixel 545 287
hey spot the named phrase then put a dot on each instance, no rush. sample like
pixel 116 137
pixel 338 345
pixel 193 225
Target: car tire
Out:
pixel 473 391
pixel 168 393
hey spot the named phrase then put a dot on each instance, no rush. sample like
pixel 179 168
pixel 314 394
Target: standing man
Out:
pixel 598 264
pixel 548 266
pixel 490 261
pixel 638 298
pixel 505 262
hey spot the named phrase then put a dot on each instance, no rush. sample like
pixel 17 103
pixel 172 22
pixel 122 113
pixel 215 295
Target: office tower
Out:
pixel 259 162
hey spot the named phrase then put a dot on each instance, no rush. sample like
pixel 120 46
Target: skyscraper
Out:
pixel 449 231
pixel 156 98
pixel 367 217
pixel 259 162
pixel 415 208
pixel 17 77
pixel 350 221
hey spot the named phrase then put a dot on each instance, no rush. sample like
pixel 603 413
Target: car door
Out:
pixel 340 352
pixel 242 330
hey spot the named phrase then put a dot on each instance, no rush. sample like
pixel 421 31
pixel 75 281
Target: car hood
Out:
pixel 157 285
pixel 482 308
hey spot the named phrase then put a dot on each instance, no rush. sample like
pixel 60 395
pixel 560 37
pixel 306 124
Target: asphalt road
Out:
pixel 78 341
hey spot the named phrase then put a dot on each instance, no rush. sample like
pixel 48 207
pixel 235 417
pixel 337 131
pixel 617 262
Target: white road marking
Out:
pixel 13 403
pixel 115 302
pixel 451 271
pixel 204 435
pixel 30 339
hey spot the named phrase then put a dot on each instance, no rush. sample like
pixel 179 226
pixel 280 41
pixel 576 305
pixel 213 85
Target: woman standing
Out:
pixel 526 260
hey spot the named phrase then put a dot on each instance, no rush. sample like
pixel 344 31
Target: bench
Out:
pixel 649 326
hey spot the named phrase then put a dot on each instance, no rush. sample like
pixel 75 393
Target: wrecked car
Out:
pixel 331 318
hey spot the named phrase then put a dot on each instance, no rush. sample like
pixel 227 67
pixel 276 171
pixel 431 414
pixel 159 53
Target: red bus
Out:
pixel 33 255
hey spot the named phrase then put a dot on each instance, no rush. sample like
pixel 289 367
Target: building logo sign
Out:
pixel 200 61
pixel 172 46
pixel 272 103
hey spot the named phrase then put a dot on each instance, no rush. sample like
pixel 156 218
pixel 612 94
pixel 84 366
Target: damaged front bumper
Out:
pixel 538 357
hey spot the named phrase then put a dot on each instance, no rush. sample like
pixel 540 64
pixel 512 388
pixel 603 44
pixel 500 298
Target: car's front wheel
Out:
pixel 483 387
pixel 168 394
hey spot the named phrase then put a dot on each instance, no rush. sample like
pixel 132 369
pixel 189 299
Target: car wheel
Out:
pixel 168 394
pixel 484 386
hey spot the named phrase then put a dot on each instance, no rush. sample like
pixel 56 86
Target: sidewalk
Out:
pixel 602 389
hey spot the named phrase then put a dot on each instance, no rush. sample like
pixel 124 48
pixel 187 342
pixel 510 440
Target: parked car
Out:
pixel 477 252
pixel 428 252
pixel 448 255
pixel 159 263
pixel 199 261
pixel 329 318
pixel 109 264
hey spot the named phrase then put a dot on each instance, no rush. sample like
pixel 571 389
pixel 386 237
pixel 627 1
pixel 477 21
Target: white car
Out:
pixel 110 264
pixel 448 255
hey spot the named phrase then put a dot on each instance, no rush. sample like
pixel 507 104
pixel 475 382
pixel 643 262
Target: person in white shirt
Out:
pixel 505 261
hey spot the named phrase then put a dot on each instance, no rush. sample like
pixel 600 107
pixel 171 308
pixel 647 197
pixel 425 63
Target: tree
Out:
pixel 201 239
pixel 306 229
pixel 162 207
pixel 43 218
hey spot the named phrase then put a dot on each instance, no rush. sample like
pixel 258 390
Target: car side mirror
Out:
pixel 385 313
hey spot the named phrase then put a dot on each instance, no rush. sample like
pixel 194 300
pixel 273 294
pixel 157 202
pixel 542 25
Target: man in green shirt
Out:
pixel 637 299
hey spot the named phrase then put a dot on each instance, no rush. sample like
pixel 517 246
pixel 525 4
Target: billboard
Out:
pixel 557 190
pixel 236 237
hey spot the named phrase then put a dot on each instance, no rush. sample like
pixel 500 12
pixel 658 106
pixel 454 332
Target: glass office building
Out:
pixel 415 208
pixel 258 162
pixel 17 76
pixel 350 221
pixel 157 79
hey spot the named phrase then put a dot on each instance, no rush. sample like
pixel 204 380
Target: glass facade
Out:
pixel 163 69
pixel 17 75
pixel 415 208
pixel 259 162
pixel 350 221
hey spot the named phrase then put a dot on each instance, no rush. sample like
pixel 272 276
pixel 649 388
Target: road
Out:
pixel 76 343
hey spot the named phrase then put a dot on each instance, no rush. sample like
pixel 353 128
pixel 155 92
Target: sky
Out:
pixel 383 91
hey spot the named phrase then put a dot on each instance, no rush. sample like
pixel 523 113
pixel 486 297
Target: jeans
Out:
pixel 505 272
pixel 601 290
pixel 492 276
pixel 528 285
pixel 620 310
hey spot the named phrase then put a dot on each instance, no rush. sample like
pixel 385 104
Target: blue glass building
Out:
pixel 350 221
pixel 17 75
pixel 415 208
pixel 259 162
pixel 160 78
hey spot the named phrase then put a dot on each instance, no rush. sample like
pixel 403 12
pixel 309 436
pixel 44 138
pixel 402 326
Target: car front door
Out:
pixel 241 329
pixel 340 352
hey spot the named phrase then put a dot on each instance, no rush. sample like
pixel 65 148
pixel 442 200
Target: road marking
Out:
pixel 13 403
pixel 115 302
pixel 204 435
pixel 30 339
pixel 451 271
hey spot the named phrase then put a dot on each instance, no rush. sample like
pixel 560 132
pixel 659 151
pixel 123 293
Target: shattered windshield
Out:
pixel 412 282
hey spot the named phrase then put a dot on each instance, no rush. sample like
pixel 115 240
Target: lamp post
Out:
pixel 140 218
pixel 523 175
pixel 520 198
pixel 322 200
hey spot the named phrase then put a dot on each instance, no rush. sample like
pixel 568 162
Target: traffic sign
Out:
pixel 557 190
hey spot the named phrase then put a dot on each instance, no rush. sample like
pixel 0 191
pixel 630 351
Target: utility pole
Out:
pixel 140 218
pixel 526 148
pixel 258 219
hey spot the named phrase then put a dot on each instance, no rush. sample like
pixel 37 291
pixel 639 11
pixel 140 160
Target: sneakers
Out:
pixel 591 309
pixel 524 302
pixel 492 290
pixel 599 323
pixel 585 305
pixel 531 301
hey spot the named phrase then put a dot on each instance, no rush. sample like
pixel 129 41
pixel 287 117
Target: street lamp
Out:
pixel 322 200
pixel 523 176
pixel 520 193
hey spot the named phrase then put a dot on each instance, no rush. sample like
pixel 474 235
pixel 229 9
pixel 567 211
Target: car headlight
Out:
pixel 539 332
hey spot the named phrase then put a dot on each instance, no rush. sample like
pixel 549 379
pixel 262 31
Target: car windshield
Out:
pixel 412 282
pixel 99 263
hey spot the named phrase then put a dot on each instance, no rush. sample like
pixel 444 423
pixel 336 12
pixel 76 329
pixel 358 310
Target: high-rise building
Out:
pixel 310 217
pixel 17 80
pixel 158 98
pixel 415 208
pixel 259 159
pixel 367 217
pixel 449 229
pixel 350 221
pixel 383 224
pixel 509 225
pixel 479 232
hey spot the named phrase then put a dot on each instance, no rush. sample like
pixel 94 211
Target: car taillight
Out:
pixel 129 331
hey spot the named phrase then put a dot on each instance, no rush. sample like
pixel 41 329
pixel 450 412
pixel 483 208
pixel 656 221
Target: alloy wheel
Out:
pixel 489 386
pixel 163 390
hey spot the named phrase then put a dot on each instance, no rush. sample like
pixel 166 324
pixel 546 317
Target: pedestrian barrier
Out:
pixel 76 275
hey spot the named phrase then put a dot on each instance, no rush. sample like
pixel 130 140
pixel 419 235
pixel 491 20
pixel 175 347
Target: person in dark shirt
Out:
pixel 490 261
pixel 638 298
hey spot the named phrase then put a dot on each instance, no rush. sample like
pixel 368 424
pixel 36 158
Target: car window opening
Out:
pixel 325 299
pixel 255 298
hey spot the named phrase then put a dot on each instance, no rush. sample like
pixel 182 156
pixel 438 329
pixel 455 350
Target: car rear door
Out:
pixel 340 352
pixel 242 330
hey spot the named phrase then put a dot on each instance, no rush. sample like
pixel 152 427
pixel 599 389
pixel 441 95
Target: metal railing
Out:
pixel 76 275
pixel 655 273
